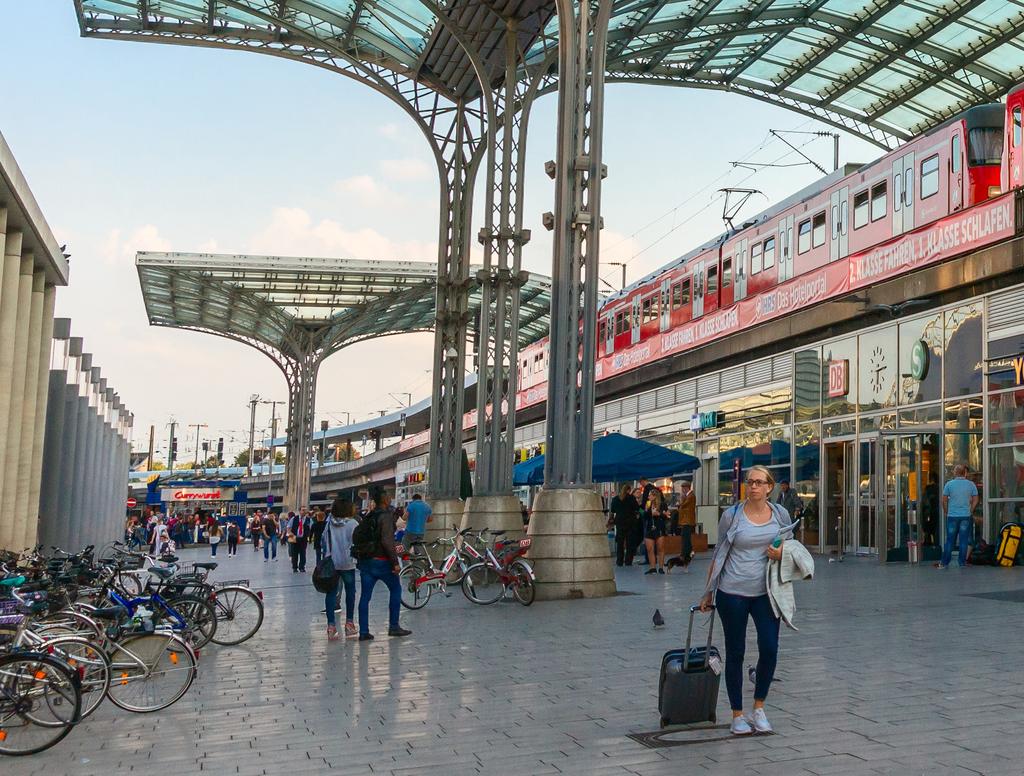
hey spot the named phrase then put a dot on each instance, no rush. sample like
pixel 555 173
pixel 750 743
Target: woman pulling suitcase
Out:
pixel 737 587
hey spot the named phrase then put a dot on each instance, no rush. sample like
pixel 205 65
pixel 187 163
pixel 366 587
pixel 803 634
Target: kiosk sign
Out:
pixel 196 494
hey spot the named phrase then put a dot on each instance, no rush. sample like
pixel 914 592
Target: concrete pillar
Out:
pixel 11 527
pixel 446 516
pixel 69 436
pixel 42 399
pixel 76 520
pixel 499 512
pixel 9 274
pixel 53 451
pixel 25 528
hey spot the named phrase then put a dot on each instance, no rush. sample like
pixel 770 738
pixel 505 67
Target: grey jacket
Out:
pixel 726 534
pixel 796 563
pixel 337 542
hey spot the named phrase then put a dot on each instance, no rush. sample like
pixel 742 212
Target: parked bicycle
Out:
pixel 503 570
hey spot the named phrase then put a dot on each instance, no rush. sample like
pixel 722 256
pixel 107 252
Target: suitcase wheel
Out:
pixel 714 719
pixel 664 722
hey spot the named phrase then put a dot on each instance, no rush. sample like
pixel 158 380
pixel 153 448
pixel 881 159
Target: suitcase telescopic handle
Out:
pixel 689 634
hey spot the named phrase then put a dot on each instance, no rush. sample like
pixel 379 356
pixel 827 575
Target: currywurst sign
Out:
pixel 196 494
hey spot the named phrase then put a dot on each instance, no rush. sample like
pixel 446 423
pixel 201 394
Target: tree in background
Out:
pixel 259 455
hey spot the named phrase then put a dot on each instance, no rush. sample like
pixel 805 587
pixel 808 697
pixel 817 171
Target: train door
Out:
pixel 635 323
pixel 666 304
pixel 903 194
pixel 740 271
pixel 609 335
pixel 785 249
pixel 956 172
pixel 840 214
pixel 698 289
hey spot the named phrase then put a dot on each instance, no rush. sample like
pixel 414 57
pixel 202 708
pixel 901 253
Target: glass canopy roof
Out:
pixel 292 304
pixel 885 69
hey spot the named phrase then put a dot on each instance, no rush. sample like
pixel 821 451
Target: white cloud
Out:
pixel 389 130
pixel 293 232
pixel 405 169
pixel 120 251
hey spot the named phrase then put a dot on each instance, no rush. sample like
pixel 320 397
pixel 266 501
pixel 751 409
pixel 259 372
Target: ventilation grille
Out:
pixel 732 379
pixel 647 401
pixel 708 385
pixel 759 372
pixel 1006 314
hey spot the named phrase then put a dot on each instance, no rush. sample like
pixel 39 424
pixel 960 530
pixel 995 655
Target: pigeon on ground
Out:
pixel 658 619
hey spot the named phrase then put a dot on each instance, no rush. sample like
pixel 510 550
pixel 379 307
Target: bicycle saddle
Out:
pixel 162 573
pixel 17 581
pixel 113 613
pixel 498 533
pixel 207 566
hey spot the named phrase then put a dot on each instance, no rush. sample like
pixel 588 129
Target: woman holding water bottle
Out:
pixel 750 534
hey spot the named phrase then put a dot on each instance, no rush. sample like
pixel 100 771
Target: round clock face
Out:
pixel 877 368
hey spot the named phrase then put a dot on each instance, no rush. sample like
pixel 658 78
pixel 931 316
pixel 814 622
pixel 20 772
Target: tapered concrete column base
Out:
pixel 445 517
pixel 570 545
pixel 498 513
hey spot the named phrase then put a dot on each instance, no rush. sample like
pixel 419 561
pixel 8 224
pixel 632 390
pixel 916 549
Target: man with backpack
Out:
pixel 373 547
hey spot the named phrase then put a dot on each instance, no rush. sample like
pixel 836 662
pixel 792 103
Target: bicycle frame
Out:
pixel 131 604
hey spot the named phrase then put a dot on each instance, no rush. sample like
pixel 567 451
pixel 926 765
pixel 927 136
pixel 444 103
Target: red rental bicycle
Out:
pixel 503 570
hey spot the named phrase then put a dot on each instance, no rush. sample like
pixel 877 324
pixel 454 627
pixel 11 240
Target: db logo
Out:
pixel 838 378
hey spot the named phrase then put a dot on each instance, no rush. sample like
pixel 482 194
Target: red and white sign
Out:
pixel 196 494
pixel 131 503
pixel 838 378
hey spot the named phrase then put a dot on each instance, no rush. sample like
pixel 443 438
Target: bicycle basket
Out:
pixel 9 624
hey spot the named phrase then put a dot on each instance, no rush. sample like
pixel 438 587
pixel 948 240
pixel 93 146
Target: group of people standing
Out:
pixel 643 514
pixel 296 530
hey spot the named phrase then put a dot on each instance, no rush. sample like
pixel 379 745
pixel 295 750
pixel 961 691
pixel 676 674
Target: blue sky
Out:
pixel 131 146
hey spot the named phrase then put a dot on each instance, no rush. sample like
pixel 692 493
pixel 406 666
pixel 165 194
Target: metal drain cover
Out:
pixel 682 735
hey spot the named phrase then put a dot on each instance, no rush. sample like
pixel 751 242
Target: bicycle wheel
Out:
pixel 239 615
pixel 130 583
pixel 40 701
pixel 413 596
pixel 150 672
pixel 90 661
pixel 200 616
pixel 522 585
pixel 482 584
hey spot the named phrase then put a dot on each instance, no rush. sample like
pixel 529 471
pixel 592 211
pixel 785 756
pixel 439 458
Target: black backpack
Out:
pixel 366 538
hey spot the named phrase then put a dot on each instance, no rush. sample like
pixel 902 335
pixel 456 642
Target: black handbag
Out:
pixel 325 577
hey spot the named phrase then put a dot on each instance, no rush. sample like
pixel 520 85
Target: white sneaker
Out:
pixel 761 723
pixel 740 726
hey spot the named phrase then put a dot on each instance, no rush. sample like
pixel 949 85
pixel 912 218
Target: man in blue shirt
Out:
pixel 417 514
pixel 959 498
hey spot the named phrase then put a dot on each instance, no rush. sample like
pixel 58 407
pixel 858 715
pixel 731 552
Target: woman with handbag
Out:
pixel 655 531
pixel 214 533
pixel 737 584
pixel 336 544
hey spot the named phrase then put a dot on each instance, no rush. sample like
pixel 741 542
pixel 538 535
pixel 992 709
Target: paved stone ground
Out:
pixel 896 669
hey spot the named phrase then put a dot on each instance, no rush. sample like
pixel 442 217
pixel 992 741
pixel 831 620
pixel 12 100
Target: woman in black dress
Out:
pixel 655 531
pixel 625 516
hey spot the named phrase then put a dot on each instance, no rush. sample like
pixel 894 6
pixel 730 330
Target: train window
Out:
pixel 930 176
pixel 677 296
pixel 897 192
pixel 620 323
pixel 650 310
pixel 712 280
pixel 984 146
pixel 954 154
pixel 818 230
pixel 860 209
pixel 803 239
pixel 769 253
pixel 726 273
pixel 602 332
pixel 878 206
pixel 685 292
pixel 835 221
pixel 1016 127
pixel 844 216
pixel 908 187
pixel 755 258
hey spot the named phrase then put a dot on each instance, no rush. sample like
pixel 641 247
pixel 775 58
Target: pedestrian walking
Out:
pixel 378 563
pixel 687 522
pixel 655 531
pixel 160 537
pixel 233 533
pixel 624 516
pixel 269 536
pixel 214 534
pixel 300 528
pixel 337 541
pixel 738 587
pixel 319 525
pixel 256 529
pixel 959 498
pixel 416 515
pixel 788 499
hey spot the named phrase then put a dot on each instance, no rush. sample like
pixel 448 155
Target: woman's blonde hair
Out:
pixel 758 469
pixel 625 490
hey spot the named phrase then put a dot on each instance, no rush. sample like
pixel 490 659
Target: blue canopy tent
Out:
pixel 617 457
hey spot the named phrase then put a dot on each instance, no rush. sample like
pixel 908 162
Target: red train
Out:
pixel 937 196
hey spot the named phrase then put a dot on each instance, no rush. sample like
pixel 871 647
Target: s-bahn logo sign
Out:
pixel 196 494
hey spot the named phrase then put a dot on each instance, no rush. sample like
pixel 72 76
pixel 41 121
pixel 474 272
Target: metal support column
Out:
pixel 301 375
pixel 570 547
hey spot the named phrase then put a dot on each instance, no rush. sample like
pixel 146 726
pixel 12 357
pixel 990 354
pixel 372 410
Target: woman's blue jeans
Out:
pixel 348 580
pixel 370 571
pixel 733 610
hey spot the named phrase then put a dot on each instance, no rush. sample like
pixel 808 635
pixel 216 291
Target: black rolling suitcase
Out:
pixel 688 689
